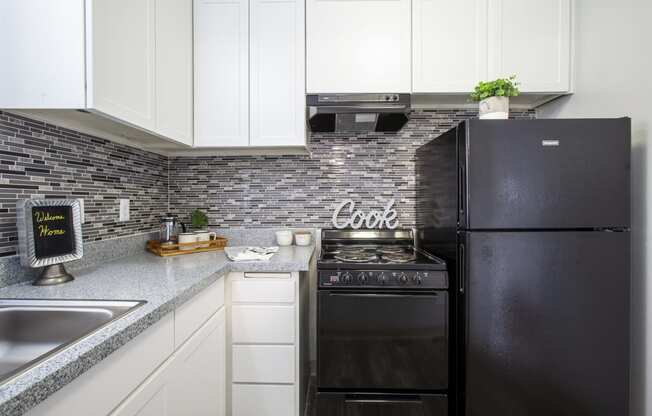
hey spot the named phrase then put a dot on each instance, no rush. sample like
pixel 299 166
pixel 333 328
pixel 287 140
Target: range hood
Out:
pixel 357 112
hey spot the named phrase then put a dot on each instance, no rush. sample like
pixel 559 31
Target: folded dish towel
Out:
pixel 250 253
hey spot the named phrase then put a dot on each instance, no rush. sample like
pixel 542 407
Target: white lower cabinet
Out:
pixel 199 378
pixel 263 324
pixel 103 387
pixel 192 381
pixel 151 376
pixel 263 364
pixel 270 400
pixel 268 343
pixel 238 348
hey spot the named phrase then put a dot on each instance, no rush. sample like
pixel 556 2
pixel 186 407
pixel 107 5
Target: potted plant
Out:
pixel 493 97
pixel 199 222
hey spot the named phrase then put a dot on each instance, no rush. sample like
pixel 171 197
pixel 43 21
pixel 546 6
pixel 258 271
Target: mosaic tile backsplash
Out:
pixel 260 191
pixel 39 160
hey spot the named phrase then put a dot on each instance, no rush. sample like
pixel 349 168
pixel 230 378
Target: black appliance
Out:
pixel 386 113
pixel 382 326
pixel 533 218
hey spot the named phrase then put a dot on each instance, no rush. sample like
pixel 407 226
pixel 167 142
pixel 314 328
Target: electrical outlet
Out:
pixel 81 206
pixel 124 210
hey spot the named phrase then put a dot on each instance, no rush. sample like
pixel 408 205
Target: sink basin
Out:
pixel 33 330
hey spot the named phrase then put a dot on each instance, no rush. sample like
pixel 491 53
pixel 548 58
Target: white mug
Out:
pixel 284 238
pixel 185 238
pixel 205 235
pixel 302 238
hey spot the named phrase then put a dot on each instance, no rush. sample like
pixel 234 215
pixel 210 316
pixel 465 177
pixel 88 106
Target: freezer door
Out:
pixel 542 174
pixel 547 325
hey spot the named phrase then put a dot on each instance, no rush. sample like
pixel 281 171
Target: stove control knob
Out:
pixel 418 278
pixel 362 278
pixel 382 278
pixel 402 278
pixel 346 277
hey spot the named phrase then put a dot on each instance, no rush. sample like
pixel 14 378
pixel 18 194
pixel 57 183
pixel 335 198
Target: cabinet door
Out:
pixel 120 60
pixel 450 45
pixel 39 48
pixel 531 39
pixel 109 382
pixel 221 73
pixel 174 69
pixel 151 398
pixel 277 73
pixel 198 385
pixel 358 46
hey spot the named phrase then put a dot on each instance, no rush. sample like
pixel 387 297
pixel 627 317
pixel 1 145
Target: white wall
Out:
pixel 613 78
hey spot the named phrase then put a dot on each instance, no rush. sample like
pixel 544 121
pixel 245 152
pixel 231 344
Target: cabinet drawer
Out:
pixel 263 364
pixel 262 324
pixel 271 400
pixel 263 289
pixel 192 314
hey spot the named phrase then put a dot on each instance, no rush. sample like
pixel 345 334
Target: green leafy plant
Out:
pixel 502 87
pixel 199 219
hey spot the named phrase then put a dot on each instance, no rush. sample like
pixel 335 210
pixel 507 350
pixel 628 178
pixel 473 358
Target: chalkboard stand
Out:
pixel 49 234
pixel 53 275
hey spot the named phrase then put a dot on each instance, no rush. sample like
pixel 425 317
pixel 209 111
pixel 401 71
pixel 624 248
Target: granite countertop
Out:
pixel 165 283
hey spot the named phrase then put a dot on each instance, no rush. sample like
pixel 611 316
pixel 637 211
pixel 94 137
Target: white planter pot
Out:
pixel 494 108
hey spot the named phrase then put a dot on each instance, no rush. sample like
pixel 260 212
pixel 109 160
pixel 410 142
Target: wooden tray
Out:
pixel 174 249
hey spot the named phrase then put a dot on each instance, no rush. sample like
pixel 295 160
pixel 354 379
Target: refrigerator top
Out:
pixel 552 174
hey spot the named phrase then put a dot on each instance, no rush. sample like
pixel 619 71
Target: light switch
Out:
pixel 124 210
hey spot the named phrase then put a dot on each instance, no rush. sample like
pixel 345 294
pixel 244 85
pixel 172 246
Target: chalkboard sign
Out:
pixel 54 234
pixel 49 231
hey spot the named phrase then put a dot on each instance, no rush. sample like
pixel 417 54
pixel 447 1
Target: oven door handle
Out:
pixel 402 401
pixel 383 295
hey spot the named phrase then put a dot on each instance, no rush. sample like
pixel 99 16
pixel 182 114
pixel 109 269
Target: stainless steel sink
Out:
pixel 33 330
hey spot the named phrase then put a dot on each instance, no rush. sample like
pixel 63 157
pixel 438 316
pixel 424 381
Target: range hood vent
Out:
pixel 357 112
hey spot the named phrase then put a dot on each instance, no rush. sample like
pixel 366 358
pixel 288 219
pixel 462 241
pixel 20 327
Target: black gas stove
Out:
pixel 382 326
pixel 377 258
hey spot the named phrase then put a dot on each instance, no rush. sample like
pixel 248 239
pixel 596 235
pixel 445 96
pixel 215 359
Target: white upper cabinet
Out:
pixel 249 73
pixel 174 82
pixel 532 39
pixel 38 49
pixel 221 73
pixel 121 55
pixel 358 46
pixel 277 71
pixel 128 61
pixel 449 45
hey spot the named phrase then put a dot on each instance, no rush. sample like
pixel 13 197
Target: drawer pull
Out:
pixel 267 275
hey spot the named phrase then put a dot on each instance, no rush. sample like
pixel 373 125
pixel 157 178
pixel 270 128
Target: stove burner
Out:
pixel 356 257
pixel 399 257
pixel 391 250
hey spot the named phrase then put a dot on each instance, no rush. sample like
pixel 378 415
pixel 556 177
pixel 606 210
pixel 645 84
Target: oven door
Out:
pixel 334 404
pixel 389 341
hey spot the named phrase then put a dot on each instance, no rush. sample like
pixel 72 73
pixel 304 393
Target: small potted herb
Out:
pixel 199 222
pixel 493 97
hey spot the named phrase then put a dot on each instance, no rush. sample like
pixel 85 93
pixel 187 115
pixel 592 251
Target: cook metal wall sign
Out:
pixel 387 218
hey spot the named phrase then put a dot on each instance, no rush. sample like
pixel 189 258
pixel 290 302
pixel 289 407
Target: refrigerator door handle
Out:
pixel 462 269
pixel 461 192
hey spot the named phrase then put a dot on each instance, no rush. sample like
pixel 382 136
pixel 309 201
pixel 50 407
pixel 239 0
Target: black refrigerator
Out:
pixel 534 217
